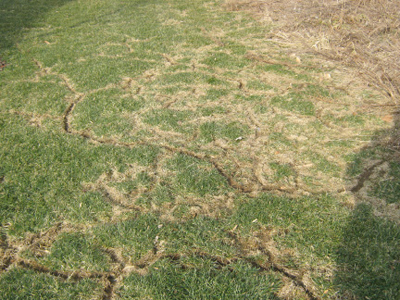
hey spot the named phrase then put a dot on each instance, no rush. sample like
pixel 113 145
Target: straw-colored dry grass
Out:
pixel 363 34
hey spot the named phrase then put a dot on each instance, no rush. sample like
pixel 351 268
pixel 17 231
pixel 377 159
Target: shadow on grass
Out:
pixel 19 15
pixel 368 259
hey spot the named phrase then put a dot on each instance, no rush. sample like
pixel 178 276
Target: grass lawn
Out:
pixel 170 150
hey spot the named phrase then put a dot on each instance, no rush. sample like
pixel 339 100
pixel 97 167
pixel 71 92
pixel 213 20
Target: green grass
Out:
pixel 168 119
pixel 194 176
pixel 388 188
pixel 294 102
pixel 140 142
pixel 224 60
pixel 211 130
pixel 201 279
pixel 26 284
pixel 311 223
pixel 282 171
pixel 73 251
pixel 44 97
pixel 368 258
pixel 135 235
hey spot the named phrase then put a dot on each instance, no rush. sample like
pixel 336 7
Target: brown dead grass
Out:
pixel 363 34
pixel 360 36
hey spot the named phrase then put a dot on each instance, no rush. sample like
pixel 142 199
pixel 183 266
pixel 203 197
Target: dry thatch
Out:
pixel 361 34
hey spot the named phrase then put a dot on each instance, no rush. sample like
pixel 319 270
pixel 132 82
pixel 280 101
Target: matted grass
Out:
pixel 171 150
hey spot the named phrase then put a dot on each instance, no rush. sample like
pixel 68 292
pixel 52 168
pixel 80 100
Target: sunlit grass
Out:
pixel 176 163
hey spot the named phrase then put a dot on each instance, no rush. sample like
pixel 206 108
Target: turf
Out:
pixel 170 150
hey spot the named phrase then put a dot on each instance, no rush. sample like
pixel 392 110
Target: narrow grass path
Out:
pixel 169 150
